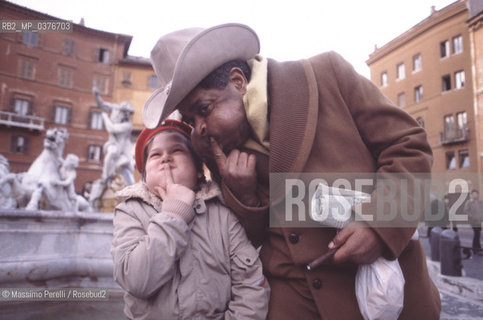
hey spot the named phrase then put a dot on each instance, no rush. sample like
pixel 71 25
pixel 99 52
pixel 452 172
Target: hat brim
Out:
pixel 152 114
pixel 204 53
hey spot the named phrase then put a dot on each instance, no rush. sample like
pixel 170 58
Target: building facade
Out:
pixel 429 71
pixel 135 81
pixel 46 81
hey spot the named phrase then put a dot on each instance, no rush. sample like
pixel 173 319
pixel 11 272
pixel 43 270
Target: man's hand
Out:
pixel 356 243
pixel 238 173
pixel 175 191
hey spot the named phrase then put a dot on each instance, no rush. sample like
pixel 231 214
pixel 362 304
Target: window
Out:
pixel 449 123
pixel 401 71
pixel 384 79
pixel 457 44
pixel 103 56
pixel 444 47
pixel 26 69
pixel 401 99
pixel 96 122
pixel 18 144
pixel 94 153
pixel 21 106
pixel 65 77
pixel 446 83
pixel 126 78
pixel 420 121
pixel 450 160
pixel 61 115
pixel 461 120
pixel 153 82
pixel 418 93
pixel 30 38
pixel 101 84
pixel 459 79
pixel 464 158
pixel 417 62
pixel 68 47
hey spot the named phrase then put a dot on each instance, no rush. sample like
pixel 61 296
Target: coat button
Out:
pixel 316 283
pixel 293 238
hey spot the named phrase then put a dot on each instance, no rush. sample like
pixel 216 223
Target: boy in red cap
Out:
pixel 178 251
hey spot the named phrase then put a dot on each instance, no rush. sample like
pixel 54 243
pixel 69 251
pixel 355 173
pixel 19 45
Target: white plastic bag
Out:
pixel 380 289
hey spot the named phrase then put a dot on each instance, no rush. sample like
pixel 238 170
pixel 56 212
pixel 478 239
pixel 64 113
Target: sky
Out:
pixel 288 30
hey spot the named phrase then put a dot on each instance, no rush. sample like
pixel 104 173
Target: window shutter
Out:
pixel 89 120
pixel 69 116
pixel 13 143
pixel 25 145
pixel 39 41
pixel 72 48
pixel 11 106
pixel 96 54
pixel 52 115
pixel 31 108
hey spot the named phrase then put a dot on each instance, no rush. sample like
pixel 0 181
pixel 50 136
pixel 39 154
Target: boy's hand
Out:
pixel 175 191
pixel 238 173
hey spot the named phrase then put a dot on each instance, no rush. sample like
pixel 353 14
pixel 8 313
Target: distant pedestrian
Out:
pixel 474 210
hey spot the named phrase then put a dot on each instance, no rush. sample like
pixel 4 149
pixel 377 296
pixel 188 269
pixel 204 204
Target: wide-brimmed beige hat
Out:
pixel 183 58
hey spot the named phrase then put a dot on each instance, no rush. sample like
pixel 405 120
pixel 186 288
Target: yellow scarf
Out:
pixel 256 106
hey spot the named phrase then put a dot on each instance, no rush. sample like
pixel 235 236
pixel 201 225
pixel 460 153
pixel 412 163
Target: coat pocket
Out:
pixel 246 267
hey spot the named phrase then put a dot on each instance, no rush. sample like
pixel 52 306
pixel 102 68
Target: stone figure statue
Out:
pixel 68 174
pixel 10 185
pixel 118 150
pixel 41 186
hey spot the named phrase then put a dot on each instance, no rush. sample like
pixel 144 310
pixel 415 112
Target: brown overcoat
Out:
pixel 324 117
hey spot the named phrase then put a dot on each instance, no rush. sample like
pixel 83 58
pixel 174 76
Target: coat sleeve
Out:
pixel 253 219
pixel 398 145
pixel 250 290
pixel 145 259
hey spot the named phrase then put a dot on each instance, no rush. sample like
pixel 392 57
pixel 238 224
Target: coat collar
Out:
pixel 293 93
pixel 208 191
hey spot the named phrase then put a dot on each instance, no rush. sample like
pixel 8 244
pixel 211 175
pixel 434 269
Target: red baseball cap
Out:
pixel 146 134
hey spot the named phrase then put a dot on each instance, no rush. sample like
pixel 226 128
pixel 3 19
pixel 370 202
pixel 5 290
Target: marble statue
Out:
pixel 118 150
pixel 41 186
pixel 68 174
pixel 10 186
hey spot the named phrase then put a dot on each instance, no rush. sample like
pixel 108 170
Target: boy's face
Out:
pixel 169 147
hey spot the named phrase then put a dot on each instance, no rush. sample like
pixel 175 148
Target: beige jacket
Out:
pixel 180 262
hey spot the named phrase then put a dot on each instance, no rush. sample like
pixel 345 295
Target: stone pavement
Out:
pixel 461 297
pixel 456 308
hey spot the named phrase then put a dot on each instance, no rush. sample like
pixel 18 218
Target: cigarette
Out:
pixel 320 260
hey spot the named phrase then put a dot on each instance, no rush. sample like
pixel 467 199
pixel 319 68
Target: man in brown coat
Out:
pixel 257 120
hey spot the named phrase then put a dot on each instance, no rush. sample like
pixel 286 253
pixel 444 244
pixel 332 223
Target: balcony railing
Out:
pixel 15 120
pixel 454 136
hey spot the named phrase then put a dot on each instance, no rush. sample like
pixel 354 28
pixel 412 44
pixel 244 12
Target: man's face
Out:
pixel 475 195
pixel 218 114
